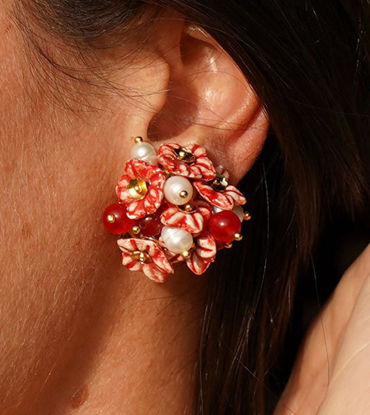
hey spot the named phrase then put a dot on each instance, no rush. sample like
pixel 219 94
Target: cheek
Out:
pixel 54 250
pixel 54 255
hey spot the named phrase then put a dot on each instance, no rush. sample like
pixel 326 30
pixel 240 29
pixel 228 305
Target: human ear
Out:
pixel 202 97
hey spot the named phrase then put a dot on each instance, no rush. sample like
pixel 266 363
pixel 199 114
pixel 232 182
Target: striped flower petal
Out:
pixel 203 254
pixel 225 199
pixel 199 168
pixel 193 222
pixel 155 264
pixel 154 179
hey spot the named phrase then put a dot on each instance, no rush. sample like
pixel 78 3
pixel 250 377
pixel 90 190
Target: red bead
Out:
pixel 150 226
pixel 115 219
pixel 224 225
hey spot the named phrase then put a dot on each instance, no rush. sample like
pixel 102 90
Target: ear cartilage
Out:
pixel 173 206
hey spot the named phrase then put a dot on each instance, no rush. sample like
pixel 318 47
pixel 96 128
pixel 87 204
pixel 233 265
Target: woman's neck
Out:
pixel 135 351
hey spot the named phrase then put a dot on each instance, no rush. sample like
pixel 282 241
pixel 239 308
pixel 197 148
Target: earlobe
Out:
pixel 209 102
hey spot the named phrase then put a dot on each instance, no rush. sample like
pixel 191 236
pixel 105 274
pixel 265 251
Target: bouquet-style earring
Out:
pixel 174 206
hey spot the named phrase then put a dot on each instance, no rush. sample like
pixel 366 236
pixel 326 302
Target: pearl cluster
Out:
pixel 178 191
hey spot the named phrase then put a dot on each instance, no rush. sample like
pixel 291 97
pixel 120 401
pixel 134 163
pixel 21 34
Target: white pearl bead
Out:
pixel 153 159
pixel 176 240
pixel 144 151
pixel 238 210
pixel 178 190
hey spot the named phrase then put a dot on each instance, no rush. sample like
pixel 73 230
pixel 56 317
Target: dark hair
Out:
pixel 308 61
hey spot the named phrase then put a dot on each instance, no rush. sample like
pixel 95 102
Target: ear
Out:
pixel 201 97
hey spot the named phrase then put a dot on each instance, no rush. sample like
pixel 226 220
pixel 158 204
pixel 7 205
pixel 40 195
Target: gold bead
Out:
pixel 247 216
pixel 185 155
pixel 142 257
pixel 136 229
pixel 188 208
pixel 183 194
pixel 138 139
pixel 238 237
pixel 229 245
pixel 111 218
pixel 186 254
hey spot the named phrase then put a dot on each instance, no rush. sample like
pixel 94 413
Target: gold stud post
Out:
pixel 183 194
pixel 186 254
pixel 229 245
pixel 188 208
pixel 138 139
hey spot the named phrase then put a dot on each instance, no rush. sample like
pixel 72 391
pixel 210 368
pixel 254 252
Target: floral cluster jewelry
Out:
pixel 174 206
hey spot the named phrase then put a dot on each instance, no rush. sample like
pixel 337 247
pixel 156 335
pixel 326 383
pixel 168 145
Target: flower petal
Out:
pixel 203 255
pixel 155 273
pixel 121 188
pixel 130 263
pixel 201 168
pixel 155 179
pixel 161 261
pixel 136 209
pixel 192 222
pixel 156 269
pixel 141 169
pixel 197 264
pixel 205 246
pixel 225 199
pixel 128 244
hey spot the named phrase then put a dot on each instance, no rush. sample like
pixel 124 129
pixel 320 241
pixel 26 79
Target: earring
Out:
pixel 174 206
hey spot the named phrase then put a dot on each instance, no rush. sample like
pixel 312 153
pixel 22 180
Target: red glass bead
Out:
pixel 115 219
pixel 224 225
pixel 151 226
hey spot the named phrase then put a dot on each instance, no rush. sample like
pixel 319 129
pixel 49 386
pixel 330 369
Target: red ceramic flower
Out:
pixel 191 161
pixel 141 188
pixel 193 221
pixel 203 254
pixel 146 256
pixel 225 199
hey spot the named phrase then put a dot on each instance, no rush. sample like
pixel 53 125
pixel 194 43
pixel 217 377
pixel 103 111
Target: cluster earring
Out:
pixel 173 206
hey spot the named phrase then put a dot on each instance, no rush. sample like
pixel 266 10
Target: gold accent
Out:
pixel 247 216
pixel 184 154
pixel 141 256
pixel 136 229
pixel 138 139
pixel 111 218
pixel 183 194
pixel 188 208
pixel 238 237
pixel 186 254
pixel 220 183
pixel 229 245
pixel 137 188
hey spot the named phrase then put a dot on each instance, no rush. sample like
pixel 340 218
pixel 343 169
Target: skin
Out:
pixel 79 333
pixel 331 373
